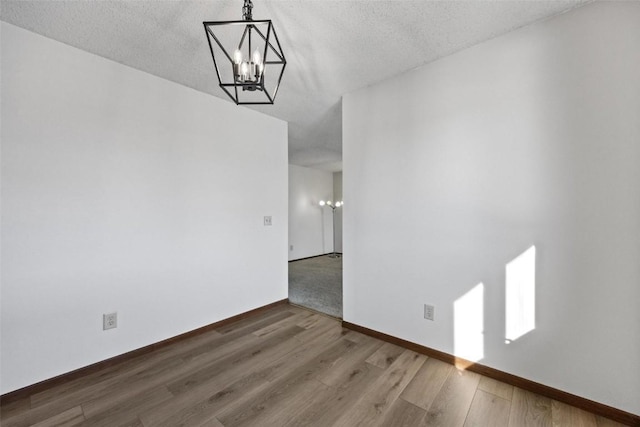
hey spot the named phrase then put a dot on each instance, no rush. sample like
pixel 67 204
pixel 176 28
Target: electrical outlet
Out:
pixel 109 321
pixel 267 220
pixel 429 312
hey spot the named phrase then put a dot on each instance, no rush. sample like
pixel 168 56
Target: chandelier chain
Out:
pixel 246 10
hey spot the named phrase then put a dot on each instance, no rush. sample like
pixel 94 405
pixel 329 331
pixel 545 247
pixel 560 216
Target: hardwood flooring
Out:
pixel 288 367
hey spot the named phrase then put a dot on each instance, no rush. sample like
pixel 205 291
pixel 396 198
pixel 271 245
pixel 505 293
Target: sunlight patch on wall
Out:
pixel 468 311
pixel 520 289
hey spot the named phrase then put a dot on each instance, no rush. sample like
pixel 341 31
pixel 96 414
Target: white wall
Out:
pixel 337 194
pixel 125 192
pixel 532 138
pixel 310 231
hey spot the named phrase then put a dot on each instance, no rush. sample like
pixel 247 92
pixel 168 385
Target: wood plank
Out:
pixel 529 409
pixel 496 387
pixel 39 414
pixel 426 384
pixel 218 348
pixel 69 417
pixel 213 422
pixel 218 366
pixel 606 422
pixel 451 405
pixel 254 323
pixel 14 408
pixel 296 319
pixel 358 337
pixel 565 415
pixel 295 399
pixel 345 367
pixel 132 423
pixel 311 320
pixel 130 387
pixel 232 335
pixel 402 414
pixel 386 355
pixel 199 406
pixel 328 407
pixel 488 410
pixel 318 328
pixel 283 387
pixel 372 407
pixel 126 411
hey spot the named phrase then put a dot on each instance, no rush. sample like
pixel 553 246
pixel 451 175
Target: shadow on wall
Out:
pixel 520 289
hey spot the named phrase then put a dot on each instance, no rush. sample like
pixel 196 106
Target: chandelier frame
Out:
pixel 271 56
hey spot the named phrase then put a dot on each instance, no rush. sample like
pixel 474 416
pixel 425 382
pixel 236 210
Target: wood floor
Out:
pixel 288 367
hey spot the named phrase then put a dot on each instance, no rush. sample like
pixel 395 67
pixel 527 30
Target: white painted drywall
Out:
pixel 125 192
pixel 455 169
pixel 337 194
pixel 310 231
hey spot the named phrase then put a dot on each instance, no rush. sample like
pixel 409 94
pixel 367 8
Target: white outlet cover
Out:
pixel 267 220
pixel 429 312
pixel 109 321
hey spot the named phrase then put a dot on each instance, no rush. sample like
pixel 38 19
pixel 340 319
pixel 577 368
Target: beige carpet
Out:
pixel 316 283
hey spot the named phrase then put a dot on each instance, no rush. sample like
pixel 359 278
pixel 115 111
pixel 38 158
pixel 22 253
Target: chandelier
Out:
pixel 250 67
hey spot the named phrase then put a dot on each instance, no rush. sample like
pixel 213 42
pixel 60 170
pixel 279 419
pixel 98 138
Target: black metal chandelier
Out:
pixel 252 72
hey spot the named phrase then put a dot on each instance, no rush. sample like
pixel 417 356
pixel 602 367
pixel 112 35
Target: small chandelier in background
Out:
pixel 250 67
pixel 330 204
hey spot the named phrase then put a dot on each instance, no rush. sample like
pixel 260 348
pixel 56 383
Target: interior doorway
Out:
pixel 315 237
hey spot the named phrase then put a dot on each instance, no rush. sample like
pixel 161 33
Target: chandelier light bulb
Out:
pixel 338 204
pixel 321 203
pixel 244 69
pixel 257 58
pixel 237 57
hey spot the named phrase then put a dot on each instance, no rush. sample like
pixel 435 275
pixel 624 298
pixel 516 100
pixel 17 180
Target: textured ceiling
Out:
pixel 332 46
